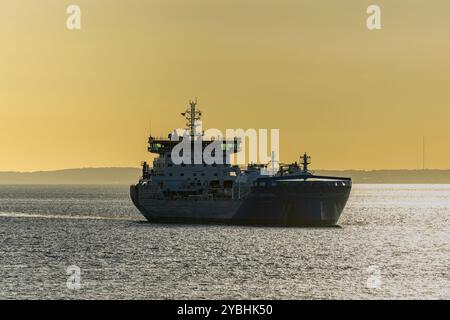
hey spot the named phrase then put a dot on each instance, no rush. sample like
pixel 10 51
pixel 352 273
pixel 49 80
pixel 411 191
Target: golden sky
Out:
pixel 351 97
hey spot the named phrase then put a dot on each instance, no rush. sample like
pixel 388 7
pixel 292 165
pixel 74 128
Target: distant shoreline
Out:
pixel 126 176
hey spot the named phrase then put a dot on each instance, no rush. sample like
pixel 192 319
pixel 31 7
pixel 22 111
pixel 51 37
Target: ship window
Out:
pixel 195 174
pixel 215 174
pixel 182 174
pixel 170 174
pixel 170 165
pixel 203 174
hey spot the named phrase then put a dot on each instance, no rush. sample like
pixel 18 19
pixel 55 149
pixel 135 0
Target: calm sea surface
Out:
pixel 394 242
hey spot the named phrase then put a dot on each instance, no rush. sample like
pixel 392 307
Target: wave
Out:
pixel 61 216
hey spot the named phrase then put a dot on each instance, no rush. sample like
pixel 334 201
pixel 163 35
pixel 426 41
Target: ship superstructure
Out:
pixel 193 178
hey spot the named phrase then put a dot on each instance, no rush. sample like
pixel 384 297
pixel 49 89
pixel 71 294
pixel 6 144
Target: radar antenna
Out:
pixel 192 115
pixel 306 160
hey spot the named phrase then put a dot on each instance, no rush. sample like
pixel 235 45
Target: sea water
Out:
pixel 89 242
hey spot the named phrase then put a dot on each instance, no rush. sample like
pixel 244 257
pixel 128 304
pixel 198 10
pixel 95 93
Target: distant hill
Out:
pixel 392 176
pixel 73 176
pixel 131 175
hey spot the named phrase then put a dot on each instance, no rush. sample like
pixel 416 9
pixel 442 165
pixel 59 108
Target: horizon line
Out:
pixel 138 168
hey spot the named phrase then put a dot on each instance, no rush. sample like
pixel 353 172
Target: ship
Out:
pixel 221 193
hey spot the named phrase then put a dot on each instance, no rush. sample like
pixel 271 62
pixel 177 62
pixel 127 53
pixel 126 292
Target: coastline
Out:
pixel 128 175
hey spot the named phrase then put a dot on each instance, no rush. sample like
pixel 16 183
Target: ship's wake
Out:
pixel 62 216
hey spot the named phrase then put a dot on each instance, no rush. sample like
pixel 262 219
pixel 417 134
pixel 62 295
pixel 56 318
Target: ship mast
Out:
pixel 192 115
pixel 306 161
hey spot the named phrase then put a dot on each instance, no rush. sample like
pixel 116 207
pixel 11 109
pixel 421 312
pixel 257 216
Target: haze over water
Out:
pixel 394 242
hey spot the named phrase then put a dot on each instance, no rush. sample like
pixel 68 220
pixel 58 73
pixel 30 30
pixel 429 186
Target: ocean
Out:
pixel 89 242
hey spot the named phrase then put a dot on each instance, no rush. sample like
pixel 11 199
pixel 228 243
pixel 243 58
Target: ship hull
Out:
pixel 302 204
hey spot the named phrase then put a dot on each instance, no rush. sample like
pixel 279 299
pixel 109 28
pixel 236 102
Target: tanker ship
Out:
pixel 194 192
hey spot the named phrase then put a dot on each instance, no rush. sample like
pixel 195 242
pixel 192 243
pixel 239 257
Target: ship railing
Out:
pixel 166 139
pixel 303 177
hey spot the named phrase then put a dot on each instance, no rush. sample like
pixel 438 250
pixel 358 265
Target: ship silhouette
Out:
pixel 200 193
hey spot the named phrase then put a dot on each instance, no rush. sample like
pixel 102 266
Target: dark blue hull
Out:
pixel 293 203
pixel 309 203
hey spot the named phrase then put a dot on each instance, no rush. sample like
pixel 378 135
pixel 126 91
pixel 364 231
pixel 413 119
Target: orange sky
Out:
pixel 351 97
